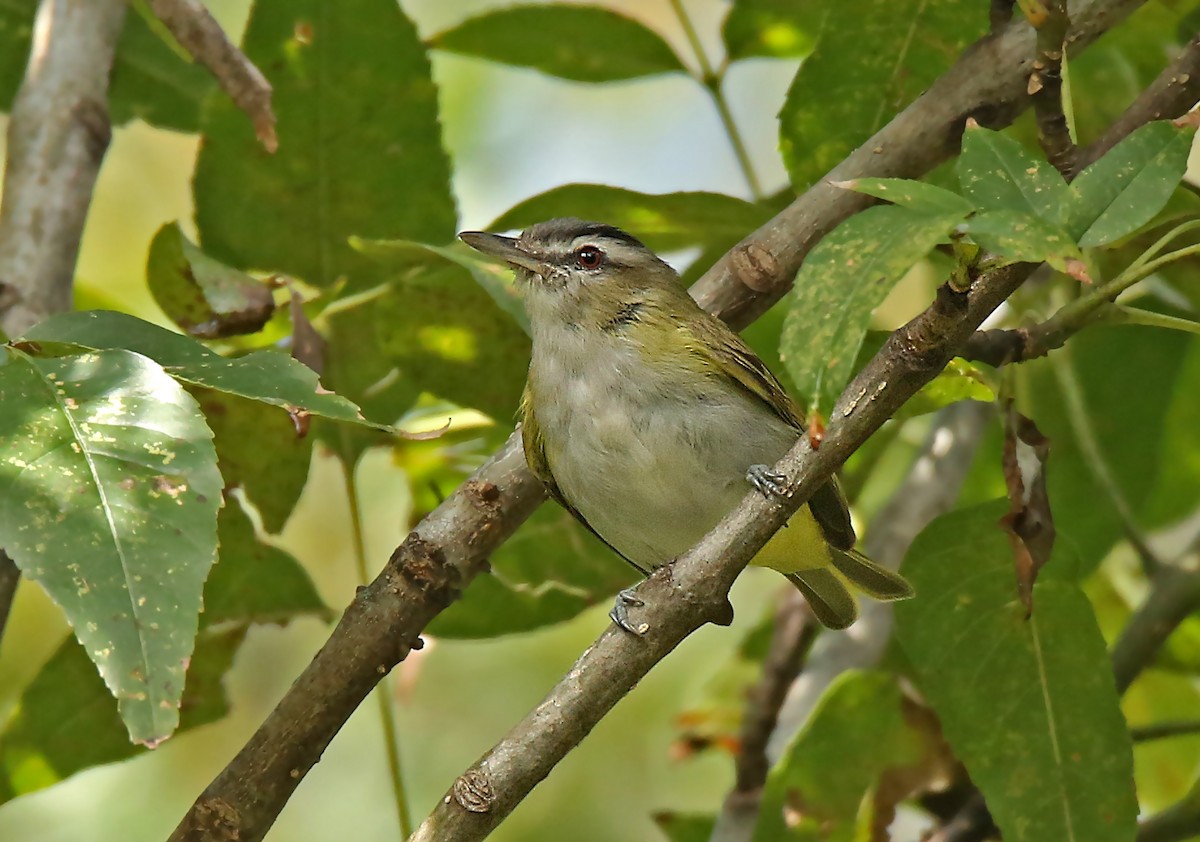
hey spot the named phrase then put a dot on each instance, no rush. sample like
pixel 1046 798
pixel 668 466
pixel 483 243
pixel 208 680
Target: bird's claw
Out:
pixel 768 483
pixel 620 612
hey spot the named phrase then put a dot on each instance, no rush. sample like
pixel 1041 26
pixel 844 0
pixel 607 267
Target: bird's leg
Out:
pixel 768 483
pixel 620 611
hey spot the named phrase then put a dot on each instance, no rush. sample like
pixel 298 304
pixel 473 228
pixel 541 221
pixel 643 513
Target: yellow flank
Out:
pixel 798 546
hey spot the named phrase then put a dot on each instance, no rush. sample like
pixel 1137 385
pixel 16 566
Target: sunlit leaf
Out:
pixel 1030 706
pixel 845 277
pixel 111 491
pixel 204 297
pixel 872 58
pixel 958 381
pixel 997 173
pixel 776 28
pixel 584 43
pixel 905 192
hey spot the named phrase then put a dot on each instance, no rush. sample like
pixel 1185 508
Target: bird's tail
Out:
pixel 829 597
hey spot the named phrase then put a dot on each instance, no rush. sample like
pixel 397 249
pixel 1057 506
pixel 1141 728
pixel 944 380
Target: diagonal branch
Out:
pixel 988 82
pixel 1045 86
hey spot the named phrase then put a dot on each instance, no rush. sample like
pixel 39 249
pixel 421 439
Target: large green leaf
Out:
pixel 271 377
pixel 548 572
pixel 664 222
pixel 359 145
pixel 1019 236
pixel 66 721
pixel 845 277
pixel 150 80
pixel 775 28
pixel 584 43
pixel 110 493
pixel 997 173
pixel 1126 188
pixel 917 195
pixel 857 728
pixel 1029 705
pixel 872 58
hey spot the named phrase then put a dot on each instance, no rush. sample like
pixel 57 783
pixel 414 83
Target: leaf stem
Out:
pixel 712 80
pixel 387 714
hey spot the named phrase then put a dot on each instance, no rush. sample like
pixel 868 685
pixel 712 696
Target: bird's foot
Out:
pixel 768 483
pixel 627 599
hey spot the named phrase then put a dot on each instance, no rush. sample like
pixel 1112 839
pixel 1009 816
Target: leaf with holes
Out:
pixel 583 43
pixel 110 492
pixel 1029 706
pixel 845 277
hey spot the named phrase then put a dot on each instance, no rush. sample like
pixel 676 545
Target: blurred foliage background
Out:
pixel 513 133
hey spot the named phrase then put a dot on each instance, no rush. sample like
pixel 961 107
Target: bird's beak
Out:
pixel 506 249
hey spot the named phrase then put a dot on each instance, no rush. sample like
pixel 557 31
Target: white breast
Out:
pixel 651 459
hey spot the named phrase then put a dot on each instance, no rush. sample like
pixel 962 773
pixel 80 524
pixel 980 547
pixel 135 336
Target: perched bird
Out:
pixel 648 419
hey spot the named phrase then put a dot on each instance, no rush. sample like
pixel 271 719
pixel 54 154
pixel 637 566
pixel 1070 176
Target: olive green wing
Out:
pixel 727 354
pixel 535 457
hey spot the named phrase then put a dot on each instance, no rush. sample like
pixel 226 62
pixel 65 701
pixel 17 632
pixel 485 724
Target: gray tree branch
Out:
pixel 245 798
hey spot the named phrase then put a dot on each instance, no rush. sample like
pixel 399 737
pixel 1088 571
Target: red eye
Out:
pixel 589 257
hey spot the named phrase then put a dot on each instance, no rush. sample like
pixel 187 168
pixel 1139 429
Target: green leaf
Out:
pixel 150 80
pixel 583 43
pixel 1126 188
pixel 664 221
pixel 359 145
pixel 996 173
pixel 910 194
pixel 858 728
pixel 254 582
pixel 775 28
pixel 547 573
pixel 203 296
pixel 872 58
pixel 1176 488
pixel 1129 377
pixel 446 335
pixel 1020 237
pixel 845 277
pixel 260 451
pixel 495 279
pixel 1029 706
pixel 271 377
pixel 66 722
pixel 958 381
pixel 111 489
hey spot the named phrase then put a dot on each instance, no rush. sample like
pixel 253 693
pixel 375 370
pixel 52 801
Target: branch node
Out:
pixel 473 792
pixel 755 267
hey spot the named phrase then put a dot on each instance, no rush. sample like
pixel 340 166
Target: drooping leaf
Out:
pixel 905 192
pixel 1029 522
pixel 1030 706
pixel 775 28
pixel 1125 189
pixel 150 80
pixel 997 173
pixel 872 58
pixel 260 451
pixel 359 145
pixel 271 377
pixel 66 721
pixel 844 278
pixel 858 728
pixel 584 43
pixel 203 296
pixel 548 572
pixel 111 491
pixel 664 222
pixel 1019 236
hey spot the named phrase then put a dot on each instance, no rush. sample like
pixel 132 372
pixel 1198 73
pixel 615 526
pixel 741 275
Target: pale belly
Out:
pixel 651 466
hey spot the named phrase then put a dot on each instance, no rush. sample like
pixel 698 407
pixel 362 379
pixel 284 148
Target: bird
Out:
pixel 649 419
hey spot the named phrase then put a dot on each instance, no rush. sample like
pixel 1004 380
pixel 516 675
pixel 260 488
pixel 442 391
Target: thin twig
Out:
pixel 198 32
pixel 1165 730
pixel 1177 823
pixel 1174 594
pixel 448 547
pixel 1046 87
